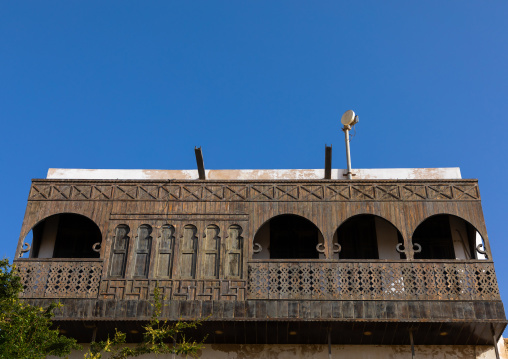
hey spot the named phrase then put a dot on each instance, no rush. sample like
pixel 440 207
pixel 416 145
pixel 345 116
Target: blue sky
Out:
pixel 258 84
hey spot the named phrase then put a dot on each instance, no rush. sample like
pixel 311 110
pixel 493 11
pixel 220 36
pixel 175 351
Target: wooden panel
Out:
pixel 143 248
pixel 188 249
pixel 234 252
pixel 120 250
pixel 211 252
pixel 165 252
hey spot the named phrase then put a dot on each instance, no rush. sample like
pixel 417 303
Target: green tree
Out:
pixel 159 337
pixel 25 330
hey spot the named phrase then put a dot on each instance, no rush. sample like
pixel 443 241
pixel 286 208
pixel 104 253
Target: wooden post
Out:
pixel 200 162
pixel 412 343
pixel 495 341
pixel 328 162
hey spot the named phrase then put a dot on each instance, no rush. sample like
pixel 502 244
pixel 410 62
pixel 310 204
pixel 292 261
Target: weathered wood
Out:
pixel 195 241
pixel 188 252
pixel 328 162
pixel 211 252
pixel 200 163
pixel 143 248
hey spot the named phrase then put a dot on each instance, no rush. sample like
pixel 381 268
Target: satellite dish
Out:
pixel 348 118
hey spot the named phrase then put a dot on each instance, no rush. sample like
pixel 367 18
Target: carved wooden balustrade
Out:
pixel 372 280
pixel 60 278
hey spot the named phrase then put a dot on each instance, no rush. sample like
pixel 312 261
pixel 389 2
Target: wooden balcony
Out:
pixel 372 280
pixel 384 297
pixel 60 278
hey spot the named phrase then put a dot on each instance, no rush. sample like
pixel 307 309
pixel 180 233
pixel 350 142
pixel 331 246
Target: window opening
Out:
pixel 367 236
pixel 288 237
pixel 65 235
pixel 446 236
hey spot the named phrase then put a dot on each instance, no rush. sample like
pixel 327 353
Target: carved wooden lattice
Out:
pixel 60 279
pixel 372 281
pixel 458 190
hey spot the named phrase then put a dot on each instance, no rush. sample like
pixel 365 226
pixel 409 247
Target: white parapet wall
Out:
pixel 294 174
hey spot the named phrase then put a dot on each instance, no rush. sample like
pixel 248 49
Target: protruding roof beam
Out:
pixel 328 162
pixel 201 164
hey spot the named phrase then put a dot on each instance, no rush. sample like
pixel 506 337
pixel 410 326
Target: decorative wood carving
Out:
pixel 211 252
pixel 143 248
pixel 191 289
pixel 234 252
pixel 60 278
pixel 166 251
pixel 188 252
pixel 344 280
pixel 120 250
pixel 417 190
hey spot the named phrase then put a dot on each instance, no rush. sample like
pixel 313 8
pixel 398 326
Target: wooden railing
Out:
pixel 59 278
pixel 372 280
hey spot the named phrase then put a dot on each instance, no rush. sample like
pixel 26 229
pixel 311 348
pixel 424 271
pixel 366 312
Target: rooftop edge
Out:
pixel 271 174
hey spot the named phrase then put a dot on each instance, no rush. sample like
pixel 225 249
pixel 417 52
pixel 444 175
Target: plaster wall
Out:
pixel 229 351
pixel 47 246
pixel 387 239
pixel 459 238
pixel 276 174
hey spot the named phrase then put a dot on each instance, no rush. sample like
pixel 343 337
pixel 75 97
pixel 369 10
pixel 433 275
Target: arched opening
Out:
pixel 367 236
pixel 65 235
pixel 288 236
pixel 445 236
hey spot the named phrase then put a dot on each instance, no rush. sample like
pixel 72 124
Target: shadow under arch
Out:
pixel 288 236
pixel 65 235
pixel 448 236
pixel 367 236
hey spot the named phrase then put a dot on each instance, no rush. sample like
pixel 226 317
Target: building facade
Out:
pixel 284 263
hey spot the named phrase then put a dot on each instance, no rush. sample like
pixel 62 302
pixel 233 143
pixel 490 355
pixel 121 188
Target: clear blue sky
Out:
pixel 259 84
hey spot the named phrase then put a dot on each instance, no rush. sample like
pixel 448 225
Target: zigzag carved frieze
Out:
pixel 256 192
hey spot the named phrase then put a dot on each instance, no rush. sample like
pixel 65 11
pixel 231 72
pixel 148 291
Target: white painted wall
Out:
pixel 386 239
pixel 459 236
pixel 275 174
pixel 315 351
pixel 48 238
pixel 479 240
pixel 263 238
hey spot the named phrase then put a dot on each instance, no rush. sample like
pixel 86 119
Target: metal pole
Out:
pixel 348 153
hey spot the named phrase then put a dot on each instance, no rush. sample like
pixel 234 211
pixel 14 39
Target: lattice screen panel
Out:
pixel 372 281
pixel 60 279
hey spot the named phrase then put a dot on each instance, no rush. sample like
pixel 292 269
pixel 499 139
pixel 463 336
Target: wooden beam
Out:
pixel 328 162
pixel 201 164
